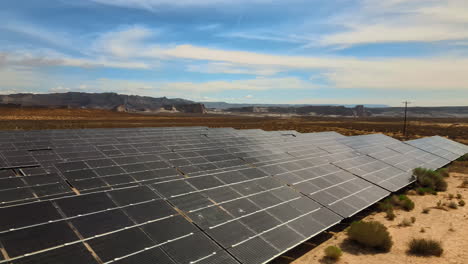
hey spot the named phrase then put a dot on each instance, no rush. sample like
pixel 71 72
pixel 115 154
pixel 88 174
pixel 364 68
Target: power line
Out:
pixel 406 113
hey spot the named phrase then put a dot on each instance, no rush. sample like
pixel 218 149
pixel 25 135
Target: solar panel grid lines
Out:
pixel 220 190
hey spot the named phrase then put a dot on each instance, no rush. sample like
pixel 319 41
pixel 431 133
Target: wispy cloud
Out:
pixel 37 59
pixel 153 5
pixel 400 21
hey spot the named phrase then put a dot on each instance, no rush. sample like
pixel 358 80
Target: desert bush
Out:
pixel 439 204
pixel 426 210
pixel 430 179
pixel 443 172
pixel 422 230
pixel 450 196
pixel 459 196
pixel 371 234
pixel 408 205
pixel 385 205
pixel 423 191
pixel 461 203
pixel 333 252
pixel 405 222
pixel 413 219
pixel 453 205
pixel 390 215
pixel 425 247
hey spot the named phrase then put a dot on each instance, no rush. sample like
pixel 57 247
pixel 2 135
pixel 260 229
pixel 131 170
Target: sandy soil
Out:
pixel 450 227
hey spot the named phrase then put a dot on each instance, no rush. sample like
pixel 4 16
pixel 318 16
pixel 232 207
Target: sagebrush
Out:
pixel 371 234
pixel 425 247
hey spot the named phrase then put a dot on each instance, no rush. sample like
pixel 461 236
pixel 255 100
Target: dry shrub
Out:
pixel 453 205
pixel 461 203
pixel 425 247
pixel 371 234
pixel 333 252
pixel 390 215
pixel 426 210
pixel 405 222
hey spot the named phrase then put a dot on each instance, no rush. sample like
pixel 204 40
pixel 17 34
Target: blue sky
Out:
pixel 249 51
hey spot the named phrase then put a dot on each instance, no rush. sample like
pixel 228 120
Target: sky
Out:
pixel 240 51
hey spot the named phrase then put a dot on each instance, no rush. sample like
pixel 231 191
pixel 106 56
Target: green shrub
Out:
pixel 425 247
pixel 390 215
pixel 453 205
pixel 461 203
pixel 443 172
pixel 430 179
pixel 426 210
pixel 408 205
pixel 371 234
pixel 423 191
pixel 385 206
pixel 333 252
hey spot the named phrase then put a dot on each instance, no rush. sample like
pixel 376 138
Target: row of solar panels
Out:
pixel 202 196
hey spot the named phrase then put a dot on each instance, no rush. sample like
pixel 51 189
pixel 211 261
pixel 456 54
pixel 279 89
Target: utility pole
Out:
pixel 406 112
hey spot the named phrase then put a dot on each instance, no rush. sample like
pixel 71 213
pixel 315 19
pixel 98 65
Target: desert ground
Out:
pixel 450 226
pixel 42 118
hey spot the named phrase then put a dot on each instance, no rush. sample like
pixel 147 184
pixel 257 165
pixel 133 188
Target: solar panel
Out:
pixel 191 195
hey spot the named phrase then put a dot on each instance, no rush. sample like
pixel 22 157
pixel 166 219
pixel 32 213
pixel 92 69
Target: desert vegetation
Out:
pixel 333 253
pixel 370 234
pixel 430 181
pixel 425 247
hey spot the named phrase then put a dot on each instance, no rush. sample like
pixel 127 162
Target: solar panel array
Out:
pixel 191 195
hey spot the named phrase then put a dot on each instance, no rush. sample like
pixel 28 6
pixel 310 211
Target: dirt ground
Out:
pixel 449 226
pixel 42 118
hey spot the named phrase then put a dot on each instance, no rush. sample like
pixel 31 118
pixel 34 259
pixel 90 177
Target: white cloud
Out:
pixel 230 68
pixel 257 84
pixel 400 21
pixel 124 42
pixel 37 59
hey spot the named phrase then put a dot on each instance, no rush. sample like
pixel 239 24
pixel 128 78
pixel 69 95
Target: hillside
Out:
pixel 108 101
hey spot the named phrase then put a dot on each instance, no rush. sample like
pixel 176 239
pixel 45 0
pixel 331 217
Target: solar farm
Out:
pixel 191 194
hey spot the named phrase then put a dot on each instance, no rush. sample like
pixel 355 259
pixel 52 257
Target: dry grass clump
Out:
pixel 425 247
pixel 405 222
pixel 461 203
pixel 333 252
pixel 453 205
pixel 371 234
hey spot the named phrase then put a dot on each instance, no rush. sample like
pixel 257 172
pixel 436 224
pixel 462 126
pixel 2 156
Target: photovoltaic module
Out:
pixel 191 194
